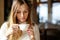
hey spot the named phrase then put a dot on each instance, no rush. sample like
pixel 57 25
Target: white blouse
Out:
pixel 24 36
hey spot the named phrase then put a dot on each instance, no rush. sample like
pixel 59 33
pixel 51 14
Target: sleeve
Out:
pixel 36 32
pixel 3 31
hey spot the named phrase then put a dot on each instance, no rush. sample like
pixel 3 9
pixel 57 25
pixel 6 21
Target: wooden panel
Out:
pixel 1 11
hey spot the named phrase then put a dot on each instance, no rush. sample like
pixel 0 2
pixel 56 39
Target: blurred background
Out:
pixel 46 13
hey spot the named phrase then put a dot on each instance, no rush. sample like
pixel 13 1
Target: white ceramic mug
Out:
pixel 23 27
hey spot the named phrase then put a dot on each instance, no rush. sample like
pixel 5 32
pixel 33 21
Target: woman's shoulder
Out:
pixel 36 31
pixel 4 25
pixel 3 29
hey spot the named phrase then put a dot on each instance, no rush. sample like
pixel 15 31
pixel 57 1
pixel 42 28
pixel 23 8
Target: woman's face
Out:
pixel 22 13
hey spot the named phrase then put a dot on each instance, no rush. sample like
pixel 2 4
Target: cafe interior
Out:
pixel 46 14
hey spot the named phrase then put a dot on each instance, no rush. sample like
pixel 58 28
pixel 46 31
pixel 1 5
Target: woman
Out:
pixel 20 14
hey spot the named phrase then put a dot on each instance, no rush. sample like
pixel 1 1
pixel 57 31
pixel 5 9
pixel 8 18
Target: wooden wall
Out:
pixel 1 12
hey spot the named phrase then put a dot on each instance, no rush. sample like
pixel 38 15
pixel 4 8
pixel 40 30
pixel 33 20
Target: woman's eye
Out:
pixel 18 12
pixel 25 11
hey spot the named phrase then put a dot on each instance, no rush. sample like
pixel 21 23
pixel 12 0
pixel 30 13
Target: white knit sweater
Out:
pixel 24 36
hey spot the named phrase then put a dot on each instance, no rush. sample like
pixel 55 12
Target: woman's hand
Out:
pixel 31 33
pixel 14 30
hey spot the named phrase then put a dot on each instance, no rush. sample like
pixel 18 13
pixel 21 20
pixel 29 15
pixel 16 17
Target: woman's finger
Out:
pixel 30 31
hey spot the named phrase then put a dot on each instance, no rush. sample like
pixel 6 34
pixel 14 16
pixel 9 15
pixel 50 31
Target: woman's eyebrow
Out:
pixel 18 10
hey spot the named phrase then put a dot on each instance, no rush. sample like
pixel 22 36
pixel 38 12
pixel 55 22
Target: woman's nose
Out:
pixel 22 14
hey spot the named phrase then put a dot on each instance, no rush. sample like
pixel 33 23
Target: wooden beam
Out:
pixel 49 10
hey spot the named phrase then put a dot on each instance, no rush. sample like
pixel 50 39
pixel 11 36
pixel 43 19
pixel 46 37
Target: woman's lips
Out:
pixel 22 18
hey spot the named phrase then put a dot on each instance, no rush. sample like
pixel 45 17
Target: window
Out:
pixel 42 9
pixel 55 13
pixel 43 0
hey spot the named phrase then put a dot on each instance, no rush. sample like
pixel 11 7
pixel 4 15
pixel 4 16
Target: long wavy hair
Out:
pixel 12 17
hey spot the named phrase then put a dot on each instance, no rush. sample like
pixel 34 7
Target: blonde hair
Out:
pixel 12 17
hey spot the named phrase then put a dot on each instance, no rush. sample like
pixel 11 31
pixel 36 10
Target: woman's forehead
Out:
pixel 23 6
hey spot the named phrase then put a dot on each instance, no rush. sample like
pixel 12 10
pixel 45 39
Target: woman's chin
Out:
pixel 22 21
